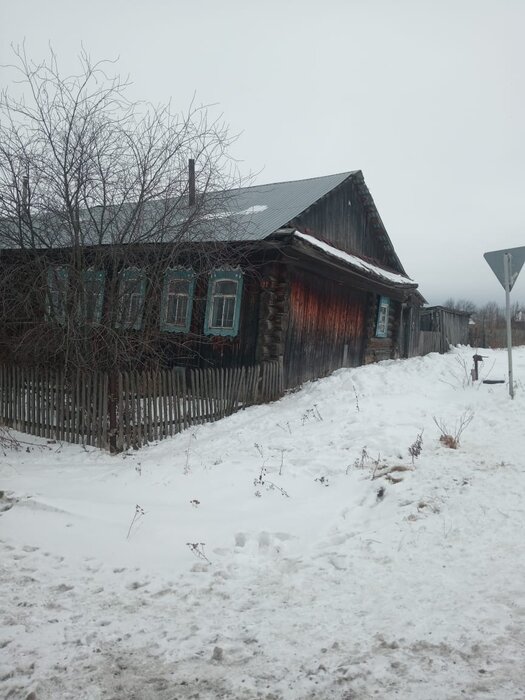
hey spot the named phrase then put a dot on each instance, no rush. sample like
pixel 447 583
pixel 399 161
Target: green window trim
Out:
pixel 223 307
pixel 132 295
pixel 93 295
pixel 176 304
pixel 383 312
pixel 56 297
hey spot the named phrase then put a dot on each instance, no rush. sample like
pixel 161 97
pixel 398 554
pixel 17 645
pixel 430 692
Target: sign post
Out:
pixel 506 265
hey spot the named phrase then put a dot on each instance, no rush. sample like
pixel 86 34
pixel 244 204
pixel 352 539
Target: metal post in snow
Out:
pixel 507 263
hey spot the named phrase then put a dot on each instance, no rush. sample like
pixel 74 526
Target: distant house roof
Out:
pixel 445 309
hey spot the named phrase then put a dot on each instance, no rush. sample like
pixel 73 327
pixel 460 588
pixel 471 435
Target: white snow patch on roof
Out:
pixel 256 209
pixel 354 260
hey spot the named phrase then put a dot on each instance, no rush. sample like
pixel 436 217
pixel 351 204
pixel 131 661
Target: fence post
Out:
pixel 112 411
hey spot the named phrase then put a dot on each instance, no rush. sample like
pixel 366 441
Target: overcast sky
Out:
pixel 426 97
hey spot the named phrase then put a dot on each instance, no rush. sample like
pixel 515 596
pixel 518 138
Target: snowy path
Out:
pixel 333 592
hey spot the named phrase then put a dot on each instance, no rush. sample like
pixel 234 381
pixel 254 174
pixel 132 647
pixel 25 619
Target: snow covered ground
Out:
pixel 329 584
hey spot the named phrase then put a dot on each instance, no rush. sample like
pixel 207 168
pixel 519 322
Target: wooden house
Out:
pixel 442 327
pixel 307 276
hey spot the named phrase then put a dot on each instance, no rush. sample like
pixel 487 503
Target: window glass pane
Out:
pixel 223 303
pixel 57 286
pixel 131 298
pixel 229 308
pixel 133 308
pixel 181 312
pixel 93 289
pixel 131 286
pixel 171 308
pixel 226 287
pixel 177 302
pixel 218 306
pixel 177 309
pixel 178 286
pixel 57 301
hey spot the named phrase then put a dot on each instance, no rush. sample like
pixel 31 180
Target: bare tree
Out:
pixel 461 305
pixel 95 204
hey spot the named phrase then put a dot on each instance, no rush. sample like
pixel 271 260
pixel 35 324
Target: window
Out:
pixel 132 291
pixel 224 303
pixel 382 317
pixel 177 300
pixel 92 295
pixel 57 283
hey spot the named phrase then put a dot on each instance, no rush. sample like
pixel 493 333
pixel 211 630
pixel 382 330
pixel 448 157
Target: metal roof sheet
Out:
pixel 253 213
pixel 243 214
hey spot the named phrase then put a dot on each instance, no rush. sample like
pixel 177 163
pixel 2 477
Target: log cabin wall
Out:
pixel 326 327
pixel 273 313
pixel 29 338
pixel 197 350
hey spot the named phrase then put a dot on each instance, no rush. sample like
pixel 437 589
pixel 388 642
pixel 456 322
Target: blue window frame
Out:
pixel 92 295
pixel 223 308
pixel 132 293
pixel 177 300
pixel 57 284
pixel 382 317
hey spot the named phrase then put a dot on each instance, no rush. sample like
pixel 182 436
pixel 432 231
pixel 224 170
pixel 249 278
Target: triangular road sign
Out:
pixel 495 259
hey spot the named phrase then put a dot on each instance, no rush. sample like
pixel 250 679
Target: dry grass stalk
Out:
pixel 450 438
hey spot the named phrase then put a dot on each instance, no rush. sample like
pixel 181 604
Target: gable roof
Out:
pixel 260 210
pixel 245 214
pixel 242 214
pixel 255 213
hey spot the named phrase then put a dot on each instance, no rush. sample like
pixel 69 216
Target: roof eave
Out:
pixel 366 278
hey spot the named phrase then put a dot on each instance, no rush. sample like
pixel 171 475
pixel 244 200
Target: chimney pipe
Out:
pixel 191 182
pixel 25 193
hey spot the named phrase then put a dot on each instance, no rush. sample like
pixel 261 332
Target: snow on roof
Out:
pixel 354 260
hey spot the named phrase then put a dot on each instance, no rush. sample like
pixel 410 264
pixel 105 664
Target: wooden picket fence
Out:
pixel 129 409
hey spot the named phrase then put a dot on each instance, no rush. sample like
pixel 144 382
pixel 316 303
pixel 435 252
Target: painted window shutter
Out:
pixel 382 317
pixel 57 284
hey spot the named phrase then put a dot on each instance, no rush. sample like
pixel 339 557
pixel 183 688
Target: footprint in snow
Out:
pixel 135 585
pixel 283 536
pixel 264 540
pixel 240 539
